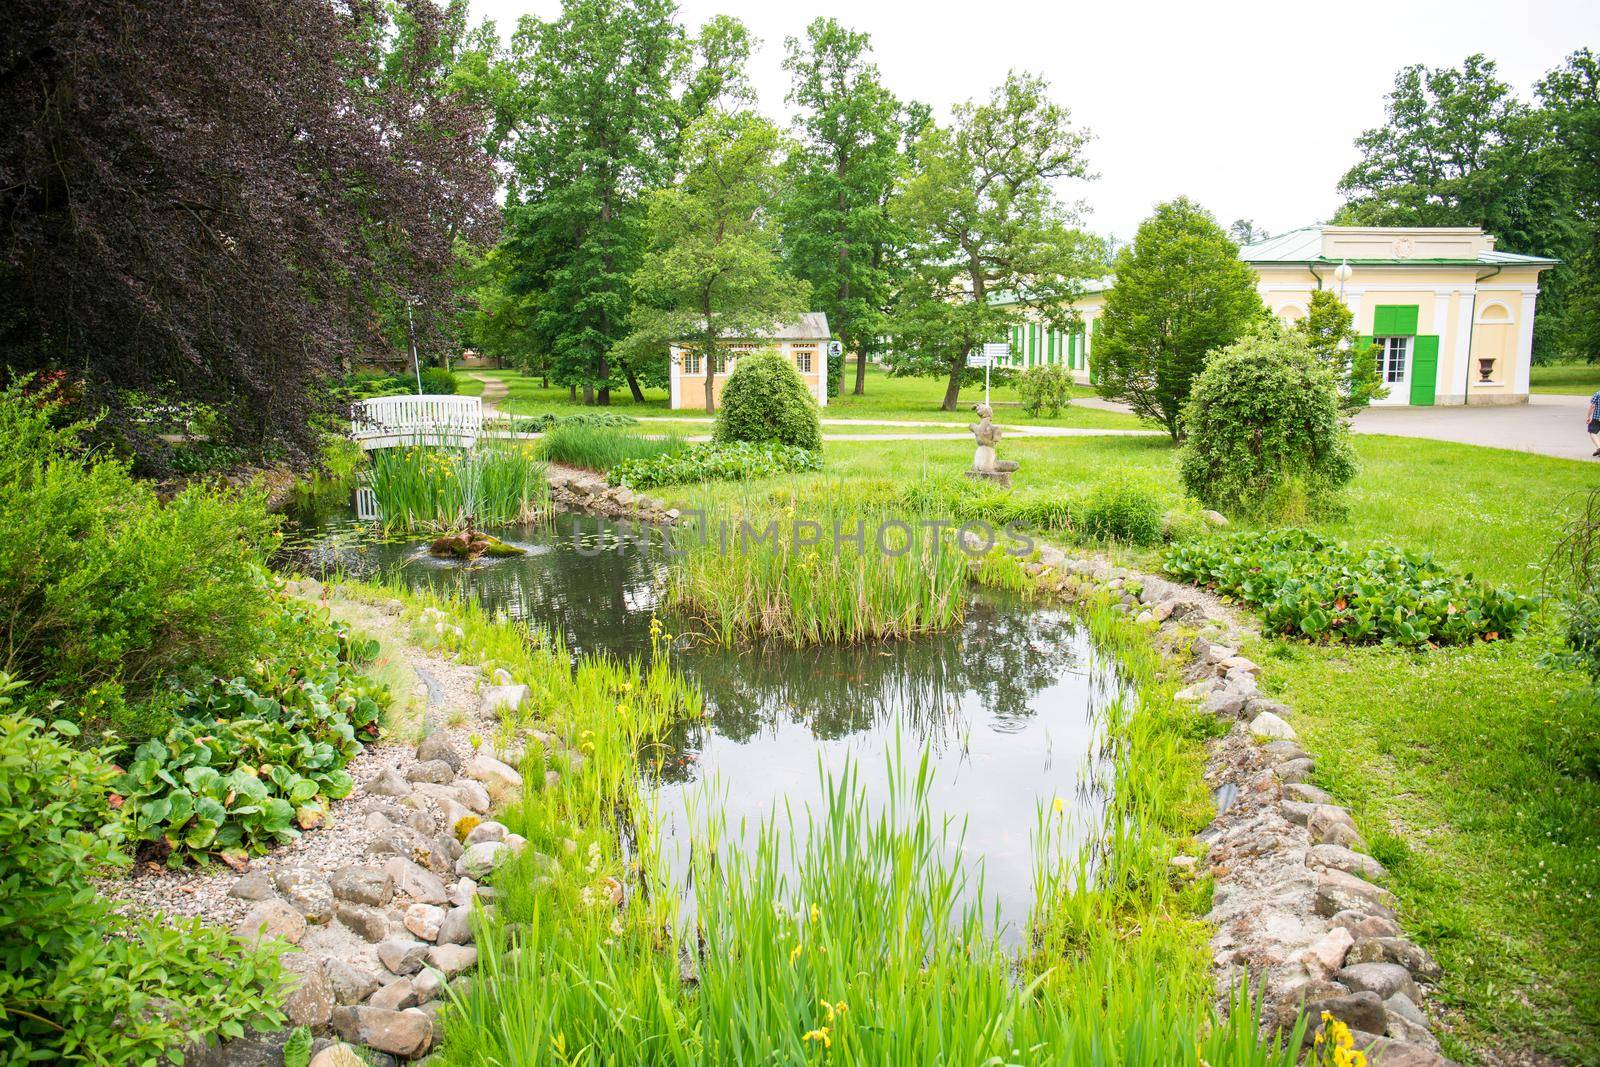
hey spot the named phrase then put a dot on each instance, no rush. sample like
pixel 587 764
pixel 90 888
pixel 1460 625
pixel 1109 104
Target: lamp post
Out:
pixel 1343 274
pixel 411 336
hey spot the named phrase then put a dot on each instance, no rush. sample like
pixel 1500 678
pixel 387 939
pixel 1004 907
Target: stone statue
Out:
pixel 984 463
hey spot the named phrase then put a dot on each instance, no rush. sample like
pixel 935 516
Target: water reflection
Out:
pixel 1008 705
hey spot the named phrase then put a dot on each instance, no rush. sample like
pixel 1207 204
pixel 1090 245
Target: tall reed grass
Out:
pixel 599 448
pixel 496 483
pixel 798 575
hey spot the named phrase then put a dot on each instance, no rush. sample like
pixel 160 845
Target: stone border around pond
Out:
pixel 575 489
pixel 1296 906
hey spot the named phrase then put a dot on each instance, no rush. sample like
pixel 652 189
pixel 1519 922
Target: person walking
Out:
pixel 1594 421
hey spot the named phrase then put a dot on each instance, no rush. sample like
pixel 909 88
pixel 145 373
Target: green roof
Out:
pixel 1304 246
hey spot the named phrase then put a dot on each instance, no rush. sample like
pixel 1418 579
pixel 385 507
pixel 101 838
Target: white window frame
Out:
pixel 1394 359
pixel 803 356
pixel 691 362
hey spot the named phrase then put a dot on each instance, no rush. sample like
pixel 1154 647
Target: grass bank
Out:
pixel 1583 378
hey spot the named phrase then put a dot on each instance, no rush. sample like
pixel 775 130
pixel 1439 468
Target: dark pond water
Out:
pixel 1008 705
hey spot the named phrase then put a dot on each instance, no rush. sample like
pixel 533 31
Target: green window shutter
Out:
pixel 1424 368
pixel 1394 320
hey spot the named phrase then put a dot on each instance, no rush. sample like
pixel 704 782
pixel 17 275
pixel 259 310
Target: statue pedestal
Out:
pixel 999 474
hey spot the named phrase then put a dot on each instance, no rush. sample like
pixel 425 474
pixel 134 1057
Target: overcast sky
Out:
pixel 1250 108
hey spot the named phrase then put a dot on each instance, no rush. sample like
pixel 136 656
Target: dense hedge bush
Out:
pixel 1263 432
pixel 438 381
pixel 79 983
pixel 738 461
pixel 1046 388
pixel 1309 586
pixel 105 593
pixel 256 758
pixel 765 401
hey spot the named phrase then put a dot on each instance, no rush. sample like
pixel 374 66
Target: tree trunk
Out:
pixel 572 393
pixel 633 385
pixel 861 371
pixel 952 389
pixel 588 394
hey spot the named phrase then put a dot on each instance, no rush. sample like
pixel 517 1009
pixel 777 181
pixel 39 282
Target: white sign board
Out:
pixel 977 359
pixel 835 348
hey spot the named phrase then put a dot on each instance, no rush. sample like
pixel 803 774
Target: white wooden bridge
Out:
pixel 395 421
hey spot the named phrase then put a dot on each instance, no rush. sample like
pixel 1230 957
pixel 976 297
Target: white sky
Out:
pixel 1251 108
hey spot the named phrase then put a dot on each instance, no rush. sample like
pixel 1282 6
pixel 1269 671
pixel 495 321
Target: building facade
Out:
pixel 803 343
pixel 1451 315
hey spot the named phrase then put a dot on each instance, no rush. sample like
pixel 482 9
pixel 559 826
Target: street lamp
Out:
pixel 1343 274
pixel 411 336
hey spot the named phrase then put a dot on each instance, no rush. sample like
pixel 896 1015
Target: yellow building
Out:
pixel 803 343
pixel 1452 317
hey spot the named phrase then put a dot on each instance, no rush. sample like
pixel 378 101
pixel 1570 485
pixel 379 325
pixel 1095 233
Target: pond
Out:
pixel 1008 705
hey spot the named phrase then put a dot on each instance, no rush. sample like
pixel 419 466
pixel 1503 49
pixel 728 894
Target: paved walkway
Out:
pixel 1549 425
pixel 952 431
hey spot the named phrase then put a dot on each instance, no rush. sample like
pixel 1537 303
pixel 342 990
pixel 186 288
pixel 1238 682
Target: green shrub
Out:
pixel 600 448
pixel 438 381
pixel 105 593
pixel 79 983
pixel 549 420
pixel 765 401
pixel 1045 388
pixel 739 461
pixel 1309 586
pixel 1116 511
pixel 256 758
pixel 1263 433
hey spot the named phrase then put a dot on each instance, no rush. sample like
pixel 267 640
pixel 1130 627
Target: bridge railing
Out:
pixel 393 421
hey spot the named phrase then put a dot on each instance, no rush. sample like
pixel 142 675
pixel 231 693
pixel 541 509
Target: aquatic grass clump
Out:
pixel 824 574
pixel 599 448
pixel 494 484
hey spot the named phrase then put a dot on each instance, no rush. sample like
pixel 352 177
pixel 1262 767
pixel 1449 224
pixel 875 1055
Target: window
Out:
pixel 1392 355
pixel 691 361
pixel 802 358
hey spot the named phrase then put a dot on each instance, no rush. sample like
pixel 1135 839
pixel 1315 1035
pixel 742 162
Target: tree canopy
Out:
pixel 1182 291
pixel 227 201
pixel 988 241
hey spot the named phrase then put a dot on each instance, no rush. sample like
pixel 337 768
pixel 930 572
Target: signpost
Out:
pixel 991 353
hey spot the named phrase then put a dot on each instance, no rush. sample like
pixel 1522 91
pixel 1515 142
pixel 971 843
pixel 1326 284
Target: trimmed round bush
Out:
pixel 1263 433
pixel 1045 389
pixel 765 402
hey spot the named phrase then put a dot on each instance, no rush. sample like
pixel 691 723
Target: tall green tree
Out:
pixel 1182 291
pixel 1570 97
pixel 987 239
pixel 713 269
pixel 842 170
pixel 1328 331
pixel 1459 149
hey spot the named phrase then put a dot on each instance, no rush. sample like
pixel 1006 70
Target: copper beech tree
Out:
pixel 227 201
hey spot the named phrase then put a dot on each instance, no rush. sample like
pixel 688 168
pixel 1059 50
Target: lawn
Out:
pixel 915 399
pixel 1580 378
pixel 1460 765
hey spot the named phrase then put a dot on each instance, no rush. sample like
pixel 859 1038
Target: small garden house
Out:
pixel 803 343
pixel 1451 315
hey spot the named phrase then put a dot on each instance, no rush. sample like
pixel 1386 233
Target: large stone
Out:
pixel 1359 1011
pixel 451 960
pixel 351 982
pixel 1331 825
pixel 1384 1052
pixel 1281 751
pixel 407 1034
pixel 503 783
pixel 1299 789
pixel 396 996
pixel 397 841
pixel 456 928
pixel 428 984
pixel 1402 1005
pixel 462 892
pixel 437 746
pixel 1338 891
pixel 487 831
pixel 307 892
pixel 1343 859
pixel 254 1049
pixel 1296 812
pixel 271 918
pixel 388 783
pixel 472 796
pixel 1383 979
pixel 501 697
pixel 253 886
pixel 423 921
pixel 310 1002
pixel 436 771
pixel 1327 953
pixel 1225 703
pixel 1295 772
pixel 368 922
pixel 1361 925
pixel 362 885
pixel 339 1054
pixel 1197 692
pixel 481 859
pixel 402 957
pixel 1398 950
pixel 1270 726
pixel 416 881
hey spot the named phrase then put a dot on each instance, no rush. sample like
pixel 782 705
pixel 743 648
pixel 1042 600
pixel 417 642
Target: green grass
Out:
pixel 599 448
pixel 914 399
pixel 1579 378
pixel 497 483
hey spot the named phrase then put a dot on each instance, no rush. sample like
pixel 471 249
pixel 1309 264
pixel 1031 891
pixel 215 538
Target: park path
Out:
pixel 494 391
pixel 1548 425
pixel 950 431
